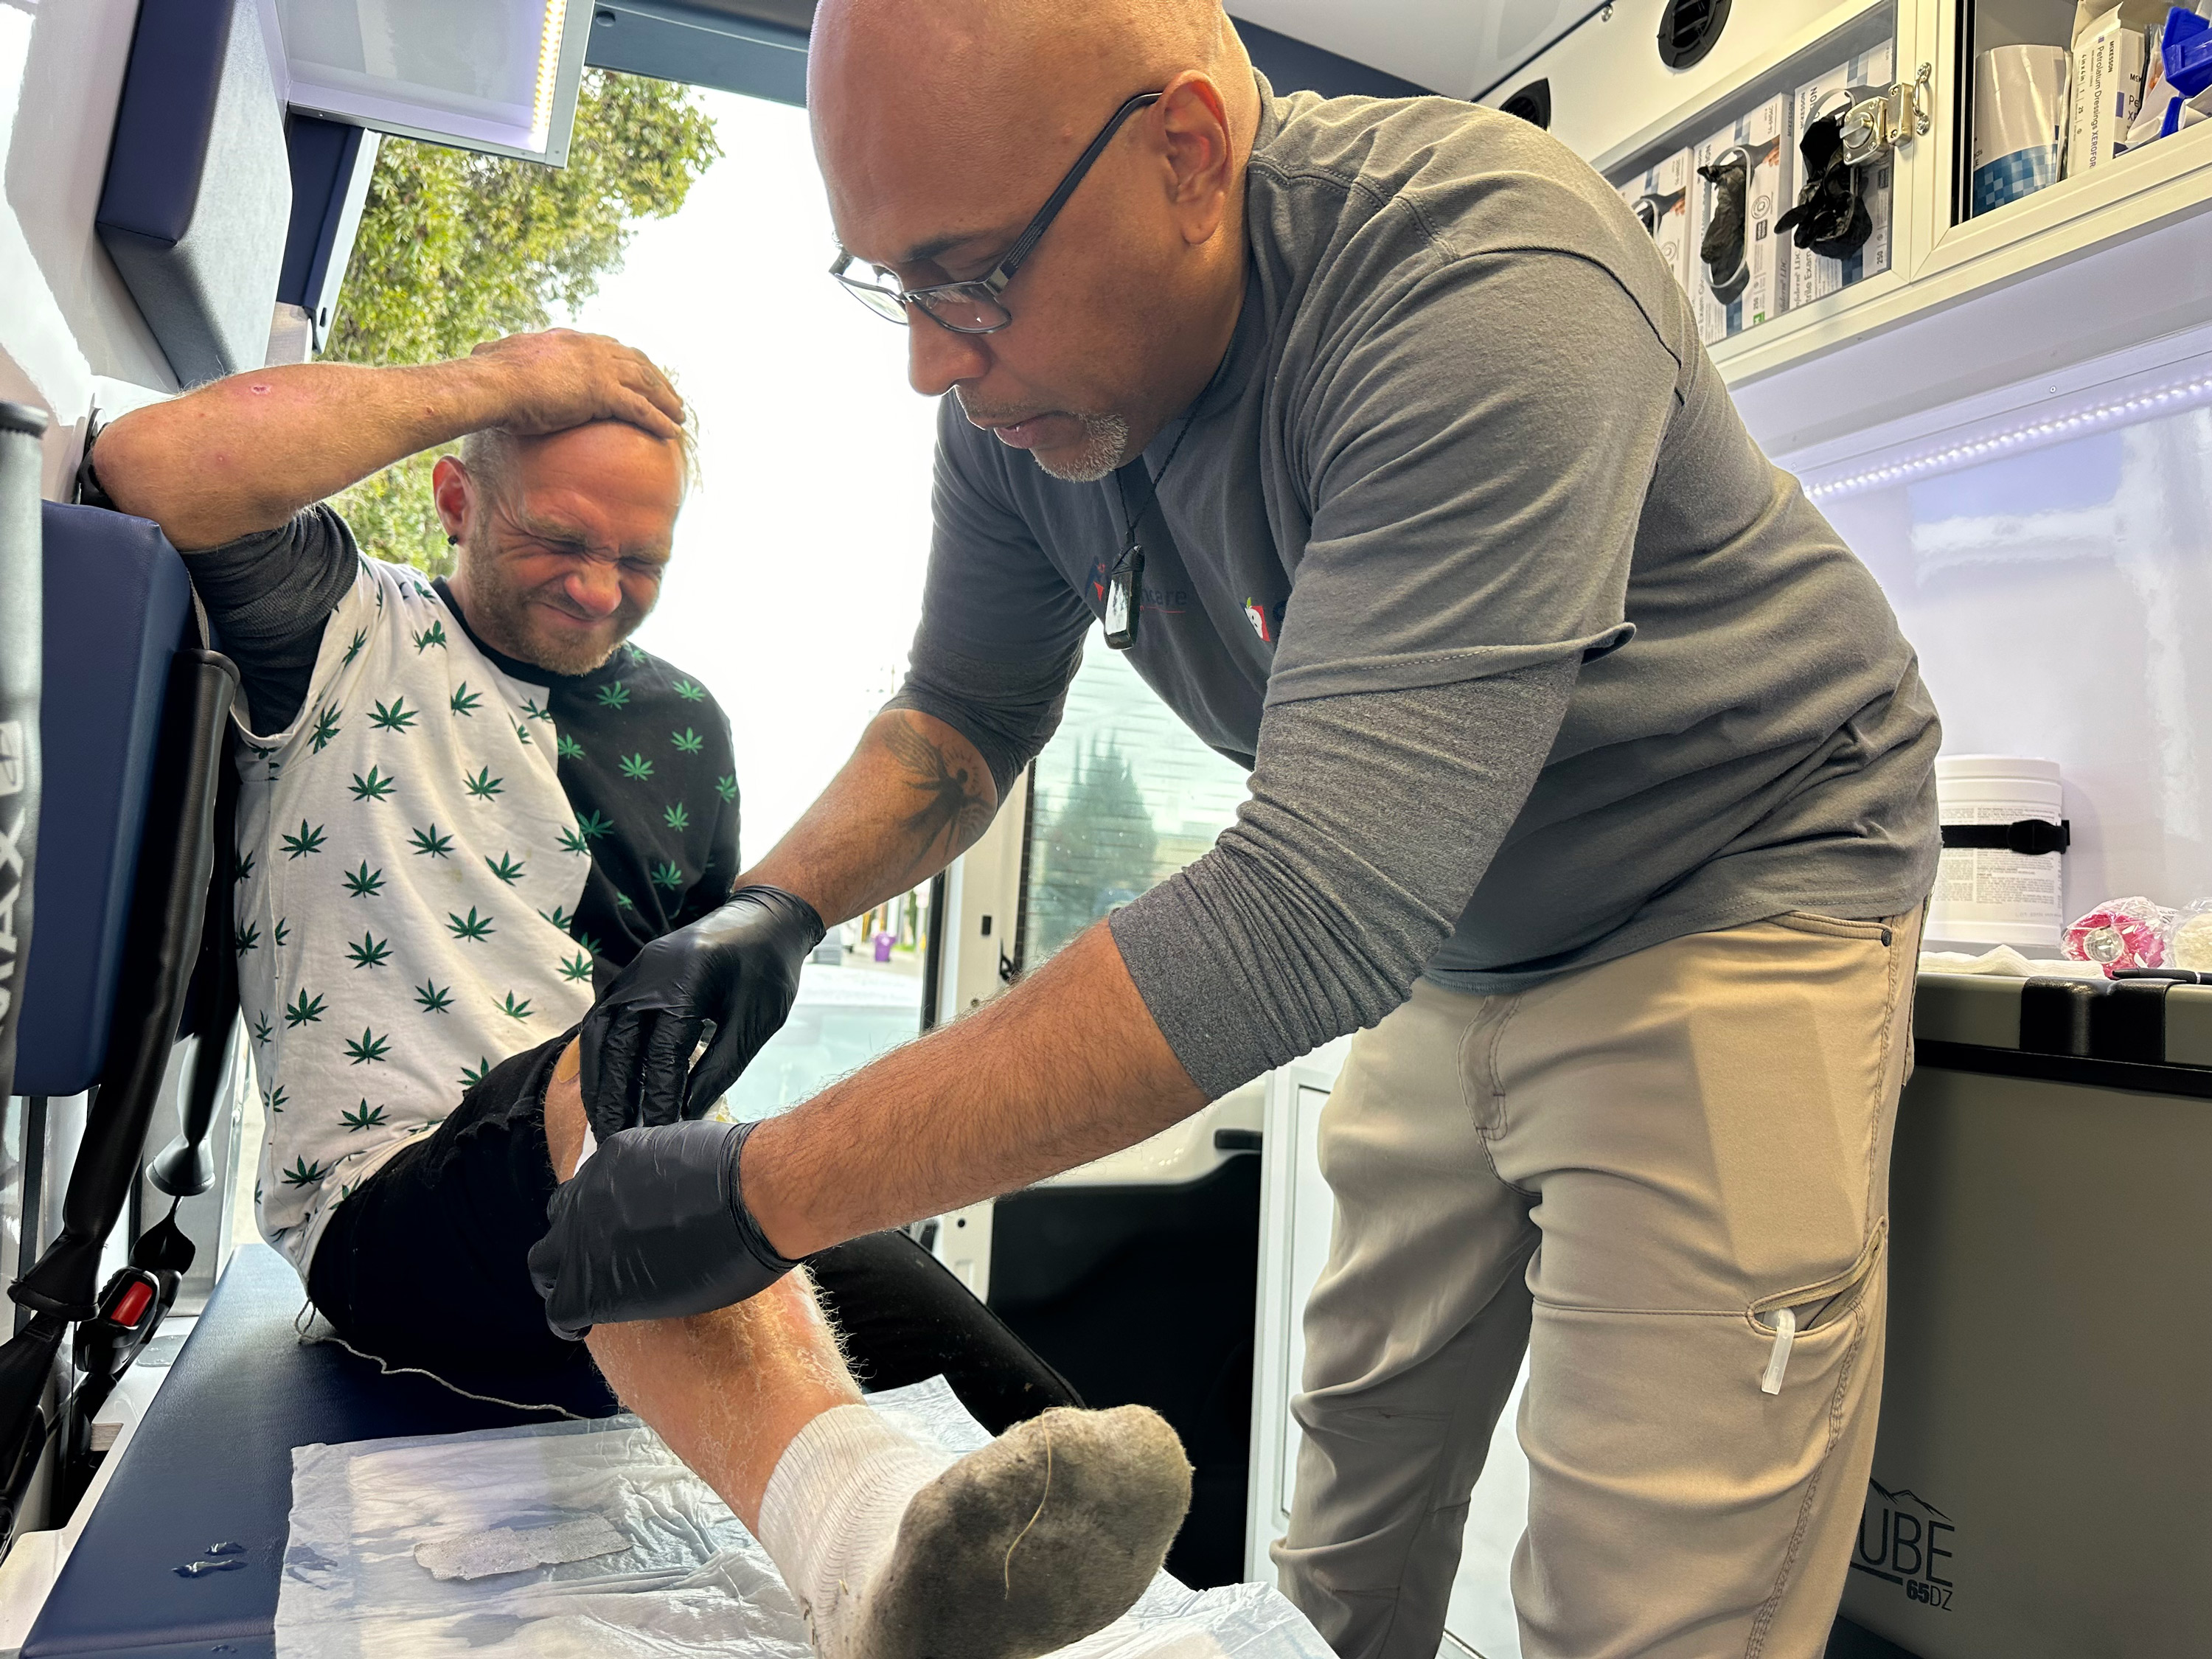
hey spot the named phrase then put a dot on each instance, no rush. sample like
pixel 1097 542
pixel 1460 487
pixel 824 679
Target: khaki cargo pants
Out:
pixel 1626 1173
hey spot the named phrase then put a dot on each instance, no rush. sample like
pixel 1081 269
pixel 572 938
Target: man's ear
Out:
pixel 1201 154
pixel 454 491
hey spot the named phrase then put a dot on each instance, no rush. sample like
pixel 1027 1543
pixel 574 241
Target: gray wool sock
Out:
pixel 1046 1535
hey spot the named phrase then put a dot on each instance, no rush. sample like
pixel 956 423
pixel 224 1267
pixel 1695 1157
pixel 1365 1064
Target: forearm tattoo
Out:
pixel 953 807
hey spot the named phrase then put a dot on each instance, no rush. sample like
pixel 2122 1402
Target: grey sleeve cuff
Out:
pixel 1007 710
pixel 269 596
pixel 1371 819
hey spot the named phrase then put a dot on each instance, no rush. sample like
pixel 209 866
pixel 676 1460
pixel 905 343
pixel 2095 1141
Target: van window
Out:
pixel 1124 796
pixel 797 579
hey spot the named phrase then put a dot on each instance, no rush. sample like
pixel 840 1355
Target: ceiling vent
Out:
pixel 1533 103
pixel 1688 30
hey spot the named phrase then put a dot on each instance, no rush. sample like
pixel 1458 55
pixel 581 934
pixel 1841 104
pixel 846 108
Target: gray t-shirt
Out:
pixel 1465 437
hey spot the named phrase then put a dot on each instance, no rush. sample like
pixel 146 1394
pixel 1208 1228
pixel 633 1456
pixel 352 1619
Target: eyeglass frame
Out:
pixel 993 281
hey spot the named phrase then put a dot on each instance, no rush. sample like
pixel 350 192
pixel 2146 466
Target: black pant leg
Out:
pixel 906 1319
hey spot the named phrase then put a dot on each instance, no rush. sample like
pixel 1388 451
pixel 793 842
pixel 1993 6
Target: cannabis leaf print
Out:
pixel 370 1050
pixel 505 868
pixel 364 883
pixel 326 728
pixel 309 840
pixel 375 787
pixel 370 953
pixel 690 691
pixel 637 767
pixel 303 1012
pixel 614 695
pixel 304 1174
pixel 396 716
pixel 471 927
pixel 483 786
pixel 465 702
pixel 365 1116
pixel 435 998
pixel 431 843
pixel 687 741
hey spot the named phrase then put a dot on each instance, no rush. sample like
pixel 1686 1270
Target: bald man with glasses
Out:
pixel 1591 783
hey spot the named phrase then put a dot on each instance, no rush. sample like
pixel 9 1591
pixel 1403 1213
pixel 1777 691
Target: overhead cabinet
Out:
pixel 1822 175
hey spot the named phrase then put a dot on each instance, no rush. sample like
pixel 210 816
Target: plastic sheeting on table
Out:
pixel 692 1583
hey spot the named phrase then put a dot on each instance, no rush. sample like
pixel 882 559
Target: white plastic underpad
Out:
pixel 689 1581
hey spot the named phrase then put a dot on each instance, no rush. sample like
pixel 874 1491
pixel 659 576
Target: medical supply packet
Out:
pixel 691 1582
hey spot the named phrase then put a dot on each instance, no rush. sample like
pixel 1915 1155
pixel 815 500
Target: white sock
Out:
pixel 831 1514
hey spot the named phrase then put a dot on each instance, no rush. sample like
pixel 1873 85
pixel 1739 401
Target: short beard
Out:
pixel 501 613
pixel 1105 446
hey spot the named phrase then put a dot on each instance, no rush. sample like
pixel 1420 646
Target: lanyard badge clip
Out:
pixel 1123 589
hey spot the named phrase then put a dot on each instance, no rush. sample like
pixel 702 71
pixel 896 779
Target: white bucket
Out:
pixel 1988 895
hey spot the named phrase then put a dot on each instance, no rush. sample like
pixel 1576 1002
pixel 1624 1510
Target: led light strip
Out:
pixel 2169 400
pixel 548 72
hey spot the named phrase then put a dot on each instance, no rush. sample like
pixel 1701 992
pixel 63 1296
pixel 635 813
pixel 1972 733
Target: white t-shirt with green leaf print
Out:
pixel 410 869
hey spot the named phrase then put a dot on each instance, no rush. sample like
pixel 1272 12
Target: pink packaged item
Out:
pixel 2125 932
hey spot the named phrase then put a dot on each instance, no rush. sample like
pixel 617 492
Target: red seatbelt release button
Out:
pixel 130 1307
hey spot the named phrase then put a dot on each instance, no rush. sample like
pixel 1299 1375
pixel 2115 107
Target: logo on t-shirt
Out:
pixel 1256 614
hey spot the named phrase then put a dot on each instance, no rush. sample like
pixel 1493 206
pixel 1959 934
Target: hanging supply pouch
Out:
pixel 1831 217
pixel 1726 247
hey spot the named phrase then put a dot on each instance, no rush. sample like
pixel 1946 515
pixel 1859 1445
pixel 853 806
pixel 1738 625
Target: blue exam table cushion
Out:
pixel 115 601
pixel 212 1463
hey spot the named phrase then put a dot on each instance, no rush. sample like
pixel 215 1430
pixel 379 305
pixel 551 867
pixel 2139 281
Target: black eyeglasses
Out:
pixel 975 307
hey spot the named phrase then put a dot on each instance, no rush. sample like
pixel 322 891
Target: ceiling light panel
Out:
pixel 499 76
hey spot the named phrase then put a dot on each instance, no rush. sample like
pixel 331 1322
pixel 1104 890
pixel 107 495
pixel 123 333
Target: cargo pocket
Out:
pixel 1781 1319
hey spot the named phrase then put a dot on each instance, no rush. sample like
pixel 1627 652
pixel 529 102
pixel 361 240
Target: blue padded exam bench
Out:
pixel 212 1464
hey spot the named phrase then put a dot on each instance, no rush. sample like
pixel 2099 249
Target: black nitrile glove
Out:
pixel 653 1226
pixel 736 970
